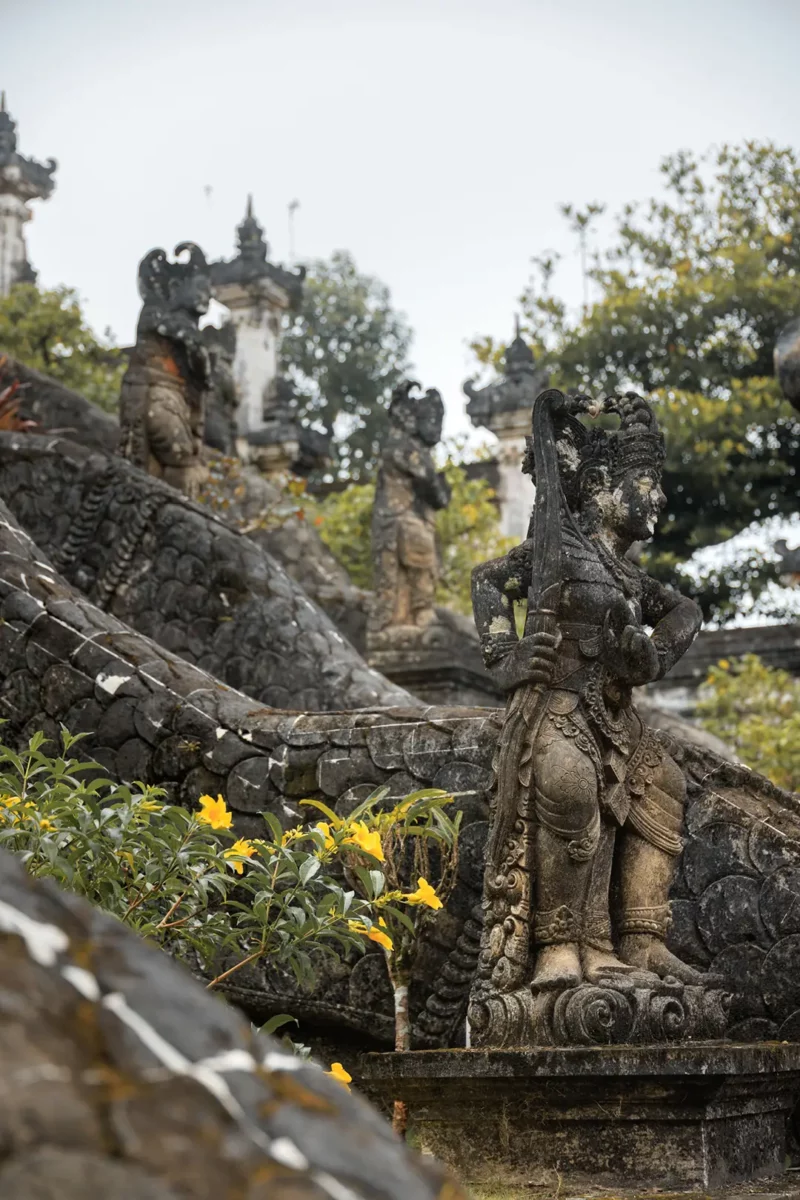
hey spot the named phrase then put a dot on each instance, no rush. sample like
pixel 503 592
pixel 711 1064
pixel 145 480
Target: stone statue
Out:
pixel 409 491
pixel 223 399
pixel 163 396
pixel 586 791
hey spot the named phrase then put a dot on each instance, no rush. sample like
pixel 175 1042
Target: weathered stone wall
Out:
pixel 61 410
pixel 121 1077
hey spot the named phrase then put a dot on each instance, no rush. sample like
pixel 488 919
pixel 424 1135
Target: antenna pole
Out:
pixel 293 207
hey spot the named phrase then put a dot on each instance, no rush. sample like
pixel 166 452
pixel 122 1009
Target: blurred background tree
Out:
pixel 693 289
pixel 756 710
pixel 46 330
pixel 345 350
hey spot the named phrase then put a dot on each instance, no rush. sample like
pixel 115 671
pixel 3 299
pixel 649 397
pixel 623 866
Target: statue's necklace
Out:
pixel 620 571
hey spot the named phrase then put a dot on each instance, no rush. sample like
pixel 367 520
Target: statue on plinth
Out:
pixel 586 792
pixel 164 390
pixel 410 490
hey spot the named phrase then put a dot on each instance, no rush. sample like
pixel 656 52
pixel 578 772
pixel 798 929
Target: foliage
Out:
pixel 345 350
pixel 187 881
pixel 225 492
pixel 694 288
pixel 47 331
pixel 467 529
pixel 344 520
pixel 756 710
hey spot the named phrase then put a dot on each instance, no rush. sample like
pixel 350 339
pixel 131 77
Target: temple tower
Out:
pixel 256 292
pixel 505 407
pixel 21 180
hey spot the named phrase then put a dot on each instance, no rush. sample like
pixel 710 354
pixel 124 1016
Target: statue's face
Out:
pixel 192 294
pixel 429 423
pixel 637 501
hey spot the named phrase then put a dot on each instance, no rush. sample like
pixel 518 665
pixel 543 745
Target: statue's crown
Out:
pixel 158 277
pixel 638 443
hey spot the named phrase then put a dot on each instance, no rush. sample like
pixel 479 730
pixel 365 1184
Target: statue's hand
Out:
pixel 639 656
pixel 531 661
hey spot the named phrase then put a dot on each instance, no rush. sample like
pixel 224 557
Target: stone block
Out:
pixel 692 1116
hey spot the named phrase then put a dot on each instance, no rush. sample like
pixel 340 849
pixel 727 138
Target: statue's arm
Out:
pixel 430 485
pixel 510 661
pixel 675 619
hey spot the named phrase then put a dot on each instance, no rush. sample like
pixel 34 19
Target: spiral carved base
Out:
pixel 598 1015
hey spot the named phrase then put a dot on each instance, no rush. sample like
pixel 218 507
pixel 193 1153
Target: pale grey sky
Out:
pixel 433 139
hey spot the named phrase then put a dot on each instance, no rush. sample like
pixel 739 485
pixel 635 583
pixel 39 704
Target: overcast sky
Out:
pixel 432 139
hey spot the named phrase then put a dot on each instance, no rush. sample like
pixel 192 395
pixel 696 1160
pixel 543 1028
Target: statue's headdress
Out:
pixel 159 278
pixel 636 444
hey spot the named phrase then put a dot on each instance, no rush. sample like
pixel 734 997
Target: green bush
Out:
pixel 756 710
pixel 185 880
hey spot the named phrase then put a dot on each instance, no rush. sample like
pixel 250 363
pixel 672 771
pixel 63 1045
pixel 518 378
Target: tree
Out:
pixel 345 350
pixel 46 330
pixel 756 710
pixel 467 529
pixel 694 288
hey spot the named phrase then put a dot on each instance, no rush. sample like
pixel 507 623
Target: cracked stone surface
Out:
pixel 122 1077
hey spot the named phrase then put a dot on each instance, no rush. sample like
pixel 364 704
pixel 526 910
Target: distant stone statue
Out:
pixel 586 791
pixel 222 399
pixel 409 492
pixel 164 391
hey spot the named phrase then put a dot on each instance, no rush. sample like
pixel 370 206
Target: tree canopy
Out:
pixel 46 330
pixel 693 288
pixel 756 710
pixel 345 350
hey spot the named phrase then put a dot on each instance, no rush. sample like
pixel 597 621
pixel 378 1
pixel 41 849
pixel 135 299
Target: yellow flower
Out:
pixel 423 895
pixel 368 840
pixel 127 857
pixel 291 835
pixel 243 848
pixel 324 828
pixel 214 813
pixel 46 825
pixel 341 1076
pixel 9 801
pixel 373 933
pixel 723 662
pixel 150 806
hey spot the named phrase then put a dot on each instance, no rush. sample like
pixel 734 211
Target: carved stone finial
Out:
pixel 164 391
pixel 250 236
pixel 508 401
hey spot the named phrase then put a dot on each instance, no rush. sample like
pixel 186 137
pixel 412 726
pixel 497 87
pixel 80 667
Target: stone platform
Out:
pixel 697 1115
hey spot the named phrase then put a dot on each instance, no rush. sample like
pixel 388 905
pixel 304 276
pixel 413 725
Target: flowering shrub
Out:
pixel 187 881
pixel 412 840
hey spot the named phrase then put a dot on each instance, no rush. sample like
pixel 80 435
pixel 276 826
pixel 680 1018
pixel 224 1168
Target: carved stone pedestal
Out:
pixel 695 1115
pixel 615 1013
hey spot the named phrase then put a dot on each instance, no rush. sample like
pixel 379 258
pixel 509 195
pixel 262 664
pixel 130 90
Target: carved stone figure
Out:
pixel 223 399
pixel 163 396
pixel 409 491
pixel 586 790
